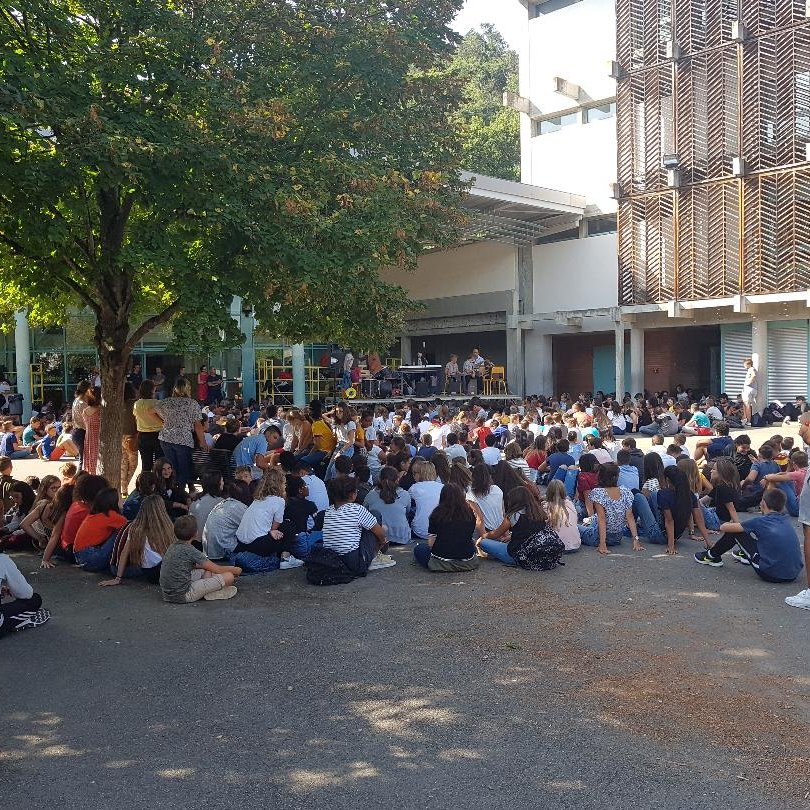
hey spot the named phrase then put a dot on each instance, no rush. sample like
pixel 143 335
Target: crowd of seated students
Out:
pixel 331 488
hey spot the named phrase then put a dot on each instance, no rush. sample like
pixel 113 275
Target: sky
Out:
pixel 508 16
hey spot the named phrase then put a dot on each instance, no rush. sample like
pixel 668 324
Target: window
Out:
pixel 600 112
pixel 599 225
pixel 552 5
pixel 557 123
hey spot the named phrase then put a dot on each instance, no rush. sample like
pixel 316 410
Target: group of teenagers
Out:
pixel 332 489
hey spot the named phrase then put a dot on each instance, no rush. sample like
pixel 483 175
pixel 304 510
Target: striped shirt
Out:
pixel 342 527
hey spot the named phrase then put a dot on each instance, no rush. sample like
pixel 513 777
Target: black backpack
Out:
pixel 325 567
pixel 540 551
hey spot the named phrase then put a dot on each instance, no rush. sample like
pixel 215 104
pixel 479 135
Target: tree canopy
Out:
pixel 158 157
pixel 161 157
pixel 487 67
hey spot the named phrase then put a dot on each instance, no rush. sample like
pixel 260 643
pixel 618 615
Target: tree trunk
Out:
pixel 111 338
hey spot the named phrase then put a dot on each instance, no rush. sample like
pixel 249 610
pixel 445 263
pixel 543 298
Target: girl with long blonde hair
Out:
pixel 263 530
pixel 141 544
pixel 562 515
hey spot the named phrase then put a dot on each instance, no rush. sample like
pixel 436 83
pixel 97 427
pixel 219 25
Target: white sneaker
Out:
pixel 801 600
pixel 786 421
pixel 228 592
pixel 290 562
pixel 382 561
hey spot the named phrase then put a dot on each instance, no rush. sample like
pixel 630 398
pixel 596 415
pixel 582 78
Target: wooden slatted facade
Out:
pixel 704 82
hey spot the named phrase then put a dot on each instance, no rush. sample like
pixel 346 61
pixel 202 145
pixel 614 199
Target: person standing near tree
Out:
pixel 77 409
pixel 181 417
pixel 129 439
pixel 92 427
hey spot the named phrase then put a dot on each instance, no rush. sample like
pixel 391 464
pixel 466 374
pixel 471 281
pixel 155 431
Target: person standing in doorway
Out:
pixel 135 377
pixel 214 384
pixel 159 381
pixel 749 391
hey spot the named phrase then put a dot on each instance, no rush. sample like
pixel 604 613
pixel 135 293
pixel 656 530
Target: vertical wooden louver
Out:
pixel 723 88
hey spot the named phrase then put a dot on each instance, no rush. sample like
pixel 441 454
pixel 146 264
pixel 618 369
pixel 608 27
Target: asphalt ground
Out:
pixel 629 681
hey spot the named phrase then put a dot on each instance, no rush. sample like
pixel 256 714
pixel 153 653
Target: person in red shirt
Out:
pixel 587 479
pixel 93 545
pixel 481 431
pixel 85 490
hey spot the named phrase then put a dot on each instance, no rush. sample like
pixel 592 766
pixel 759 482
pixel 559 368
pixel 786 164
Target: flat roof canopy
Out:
pixel 518 213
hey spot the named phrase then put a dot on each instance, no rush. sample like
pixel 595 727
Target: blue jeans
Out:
pixel 590 535
pixel 648 527
pixel 313 458
pixel 497 549
pixel 649 430
pixel 179 456
pixel 96 558
pixel 342 450
pixel 791 499
pixel 25 453
pixel 421 553
pixel 710 518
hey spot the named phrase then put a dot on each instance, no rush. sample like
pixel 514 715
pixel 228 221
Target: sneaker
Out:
pixel 786 421
pixel 740 556
pixel 290 562
pixel 31 618
pixel 704 558
pixel 228 592
pixel 801 600
pixel 382 561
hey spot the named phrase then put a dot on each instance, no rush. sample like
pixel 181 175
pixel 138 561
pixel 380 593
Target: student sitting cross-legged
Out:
pixel 450 545
pixel 767 543
pixel 187 575
pixel 614 512
pixel 352 532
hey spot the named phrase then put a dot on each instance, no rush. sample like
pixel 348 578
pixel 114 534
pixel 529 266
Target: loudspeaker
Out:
pixel 422 388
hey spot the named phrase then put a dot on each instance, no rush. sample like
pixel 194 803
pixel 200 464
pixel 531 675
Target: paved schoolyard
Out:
pixel 635 680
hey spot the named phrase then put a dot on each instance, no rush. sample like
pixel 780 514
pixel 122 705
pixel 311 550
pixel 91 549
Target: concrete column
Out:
pixel 538 364
pixel 406 356
pixel 22 353
pixel 636 360
pixel 514 361
pixel 759 354
pixel 619 342
pixel 299 372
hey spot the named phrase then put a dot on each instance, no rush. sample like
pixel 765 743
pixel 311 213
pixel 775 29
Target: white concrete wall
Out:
pixel 484 267
pixel 576 274
pixel 575 43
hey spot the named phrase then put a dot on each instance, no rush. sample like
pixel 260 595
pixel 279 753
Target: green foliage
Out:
pixel 491 132
pixel 162 156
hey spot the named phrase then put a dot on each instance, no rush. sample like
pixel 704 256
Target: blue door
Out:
pixel 604 369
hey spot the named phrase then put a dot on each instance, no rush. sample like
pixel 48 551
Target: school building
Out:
pixel 682 155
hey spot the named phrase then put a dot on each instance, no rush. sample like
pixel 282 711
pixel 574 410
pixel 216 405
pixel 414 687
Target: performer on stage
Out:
pixel 452 374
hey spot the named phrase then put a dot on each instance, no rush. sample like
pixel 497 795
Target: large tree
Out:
pixel 487 67
pixel 158 157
